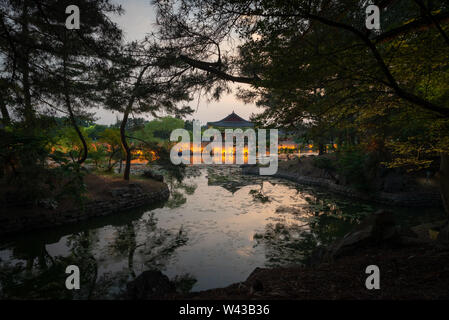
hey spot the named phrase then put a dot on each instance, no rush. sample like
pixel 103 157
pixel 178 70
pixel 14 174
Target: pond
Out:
pixel 215 229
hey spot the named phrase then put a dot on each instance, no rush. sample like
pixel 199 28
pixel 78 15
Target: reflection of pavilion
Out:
pixel 231 186
pixel 229 178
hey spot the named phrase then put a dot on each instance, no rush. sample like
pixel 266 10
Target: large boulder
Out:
pixel 150 284
pixel 377 229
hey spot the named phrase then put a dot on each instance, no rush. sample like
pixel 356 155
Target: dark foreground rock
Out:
pixel 149 285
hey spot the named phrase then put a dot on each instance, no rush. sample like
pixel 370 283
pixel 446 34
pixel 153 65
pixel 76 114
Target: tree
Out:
pixel 315 61
pixel 143 83
pixel 111 137
pixel 49 68
pixel 159 130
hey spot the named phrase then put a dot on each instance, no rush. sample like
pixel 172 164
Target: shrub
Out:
pixel 323 163
pixel 351 163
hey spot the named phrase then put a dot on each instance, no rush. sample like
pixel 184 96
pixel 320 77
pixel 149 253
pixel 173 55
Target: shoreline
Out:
pixel 130 196
pixel 402 199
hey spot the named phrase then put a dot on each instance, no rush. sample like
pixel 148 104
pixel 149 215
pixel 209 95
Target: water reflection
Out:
pixel 214 230
pixel 28 270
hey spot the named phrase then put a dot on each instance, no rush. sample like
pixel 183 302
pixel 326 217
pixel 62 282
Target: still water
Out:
pixel 214 230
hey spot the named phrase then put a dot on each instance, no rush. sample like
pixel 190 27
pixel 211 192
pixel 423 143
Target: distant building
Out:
pixel 231 121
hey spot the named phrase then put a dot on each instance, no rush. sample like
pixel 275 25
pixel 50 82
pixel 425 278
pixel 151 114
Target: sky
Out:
pixel 139 18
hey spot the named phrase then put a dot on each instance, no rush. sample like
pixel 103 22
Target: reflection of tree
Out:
pixel 156 245
pixel 320 222
pixel 81 249
pixel 160 244
pixel 285 244
pixel 17 282
pixel 174 177
pixel 125 243
pixel 46 279
pixel 32 253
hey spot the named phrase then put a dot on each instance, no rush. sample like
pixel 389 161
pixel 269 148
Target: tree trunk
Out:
pixel 125 120
pixel 24 65
pixel 124 143
pixel 77 129
pixel 321 149
pixel 5 114
pixel 69 108
pixel 444 180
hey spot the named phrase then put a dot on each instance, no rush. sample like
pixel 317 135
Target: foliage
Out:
pixel 312 66
pixel 110 144
pixel 352 164
pixel 323 163
pixel 31 172
pixel 69 144
pixel 159 130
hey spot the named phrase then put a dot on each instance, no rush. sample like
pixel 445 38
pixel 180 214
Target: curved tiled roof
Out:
pixel 233 120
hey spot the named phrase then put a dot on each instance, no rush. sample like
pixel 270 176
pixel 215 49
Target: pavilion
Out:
pixel 232 120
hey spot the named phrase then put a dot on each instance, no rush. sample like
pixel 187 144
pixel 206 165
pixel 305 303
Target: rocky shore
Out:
pixel 320 178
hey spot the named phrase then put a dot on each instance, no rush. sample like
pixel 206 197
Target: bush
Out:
pixel 32 172
pixel 323 163
pixel 351 163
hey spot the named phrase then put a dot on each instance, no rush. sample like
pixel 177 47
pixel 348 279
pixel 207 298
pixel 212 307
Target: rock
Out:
pixel 377 229
pixel 257 286
pixel 253 281
pixel 150 175
pixel 426 231
pixel 150 284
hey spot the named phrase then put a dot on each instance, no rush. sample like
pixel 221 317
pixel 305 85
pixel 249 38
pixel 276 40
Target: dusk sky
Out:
pixel 139 18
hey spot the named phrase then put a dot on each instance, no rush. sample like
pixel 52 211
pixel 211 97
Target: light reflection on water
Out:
pixel 216 228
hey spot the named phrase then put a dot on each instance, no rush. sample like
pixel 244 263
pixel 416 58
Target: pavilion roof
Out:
pixel 232 120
